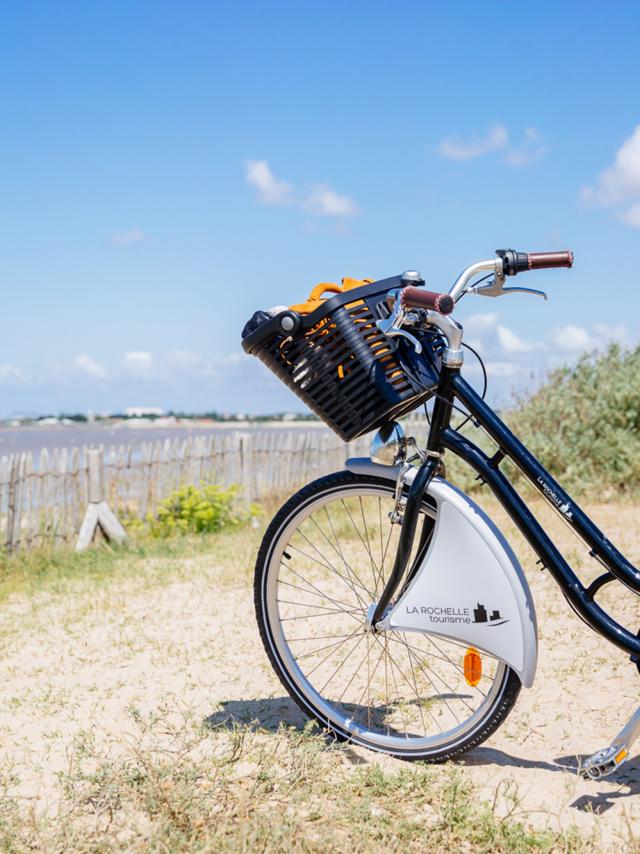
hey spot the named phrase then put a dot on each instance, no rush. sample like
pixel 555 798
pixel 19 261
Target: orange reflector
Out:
pixel 621 756
pixel 472 667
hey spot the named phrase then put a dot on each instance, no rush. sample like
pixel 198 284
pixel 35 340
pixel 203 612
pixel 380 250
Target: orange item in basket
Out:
pixel 316 297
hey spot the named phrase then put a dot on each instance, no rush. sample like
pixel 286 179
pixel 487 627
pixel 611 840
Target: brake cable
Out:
pixel 485 383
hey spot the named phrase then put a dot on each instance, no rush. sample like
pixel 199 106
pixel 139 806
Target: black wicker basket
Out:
pixel 339 363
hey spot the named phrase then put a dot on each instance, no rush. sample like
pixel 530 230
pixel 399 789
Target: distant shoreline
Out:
pixel 33 438
pixel 280 424
pixel 162 424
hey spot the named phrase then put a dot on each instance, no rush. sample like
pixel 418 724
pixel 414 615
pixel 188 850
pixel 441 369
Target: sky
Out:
pixel 168 168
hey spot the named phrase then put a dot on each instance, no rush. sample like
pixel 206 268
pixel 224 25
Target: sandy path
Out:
pixel 85 677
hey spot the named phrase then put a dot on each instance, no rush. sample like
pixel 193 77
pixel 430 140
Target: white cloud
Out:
pixel 323 200
pixel 502 369
pixel 479 323
pixel 138 364
pixel 512 343
pixel 185 363
pixel 619 185
pixel 88 366
pixel 496 141
pixel 608 333
pixel 572 339
pixel 455 148
pixel 185 359
pixel 631 216
pixel 621 181
pixel 128 238
pixel 270 190
pixel 532 149
pixel 10 375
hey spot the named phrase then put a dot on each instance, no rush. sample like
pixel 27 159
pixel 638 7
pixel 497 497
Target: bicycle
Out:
pixel 391 607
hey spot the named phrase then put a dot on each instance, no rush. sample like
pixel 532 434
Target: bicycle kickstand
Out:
pixel 605 761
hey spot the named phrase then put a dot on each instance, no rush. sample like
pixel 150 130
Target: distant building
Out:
pixel 143 411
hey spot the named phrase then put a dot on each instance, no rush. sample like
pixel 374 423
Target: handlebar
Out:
pixel 507 262
pixel 519 262
pixel 411 297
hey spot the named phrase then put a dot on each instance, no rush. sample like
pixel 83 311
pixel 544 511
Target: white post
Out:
pixel 98 514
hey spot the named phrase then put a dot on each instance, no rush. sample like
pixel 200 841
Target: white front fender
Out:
pixel 470 586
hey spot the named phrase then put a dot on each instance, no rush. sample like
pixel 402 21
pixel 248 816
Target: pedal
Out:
pixel 604 762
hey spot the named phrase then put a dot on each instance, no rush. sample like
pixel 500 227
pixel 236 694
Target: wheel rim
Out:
pixel 396 691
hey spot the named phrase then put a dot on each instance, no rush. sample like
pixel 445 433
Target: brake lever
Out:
pixel 391 326
pixel 495 288
pixel 531 291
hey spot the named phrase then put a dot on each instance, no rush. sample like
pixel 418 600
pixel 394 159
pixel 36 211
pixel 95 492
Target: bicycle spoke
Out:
pixel 314 591
pixel 355 528
pixel 366 689
pixel 444 657
pixel 393 662
pixel 412 650
pixel 380 523
pixel 384 557
pixel 317 637
pixel 434 686
pixel 342 663
pixel 320 663
pixel 353 676
pixel 347 567
pixel 309 557
pixel 326 646
pixel 329 566
pixel 312 616
pixel 319 607
pixel 374 566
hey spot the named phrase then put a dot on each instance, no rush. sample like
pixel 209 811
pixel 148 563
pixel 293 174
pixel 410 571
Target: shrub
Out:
pixel 203 510
pixel 584 423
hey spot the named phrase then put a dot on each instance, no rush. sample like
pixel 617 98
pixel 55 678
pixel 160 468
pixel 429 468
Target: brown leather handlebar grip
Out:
pixel 411 297
pixel 546 260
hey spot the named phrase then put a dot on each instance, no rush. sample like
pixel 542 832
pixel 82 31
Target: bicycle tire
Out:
pixel 492 711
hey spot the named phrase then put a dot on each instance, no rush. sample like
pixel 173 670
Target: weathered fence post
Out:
pixel 247 471
pixel 98 514
pixel 15 501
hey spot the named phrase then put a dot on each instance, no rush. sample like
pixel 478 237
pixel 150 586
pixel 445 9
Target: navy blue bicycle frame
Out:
pixel 453 386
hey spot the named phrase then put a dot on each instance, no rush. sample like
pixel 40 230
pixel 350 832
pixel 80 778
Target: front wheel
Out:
pixel 323 562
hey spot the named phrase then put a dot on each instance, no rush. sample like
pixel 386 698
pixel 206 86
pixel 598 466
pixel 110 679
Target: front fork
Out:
pixel 407 535
pixel 411 511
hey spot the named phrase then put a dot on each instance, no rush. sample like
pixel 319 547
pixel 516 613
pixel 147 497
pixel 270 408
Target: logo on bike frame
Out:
pixel 563 507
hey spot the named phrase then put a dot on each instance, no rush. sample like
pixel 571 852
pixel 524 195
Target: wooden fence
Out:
pixel 44 499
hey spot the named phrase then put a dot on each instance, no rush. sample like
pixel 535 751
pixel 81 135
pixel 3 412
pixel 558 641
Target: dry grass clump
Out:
pixel 240 788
